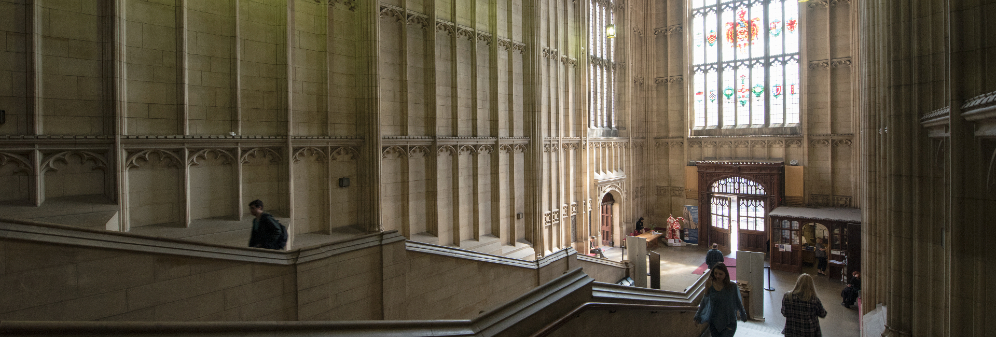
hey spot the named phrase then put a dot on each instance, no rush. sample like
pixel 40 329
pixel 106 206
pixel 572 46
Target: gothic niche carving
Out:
pixel 85 156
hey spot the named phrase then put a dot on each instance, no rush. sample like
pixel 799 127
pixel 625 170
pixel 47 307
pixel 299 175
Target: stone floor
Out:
pixel 677 264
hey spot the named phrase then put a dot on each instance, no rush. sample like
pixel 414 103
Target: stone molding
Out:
pixel 64 235
pixel 327 154
pixel 828 63
pixel 171 158
pixel 349 4
pixel 48 164
pixel 202 154
pixel 667 31
pixel 260 152
pixel 22 162
pixel 669 79
pixel 828 3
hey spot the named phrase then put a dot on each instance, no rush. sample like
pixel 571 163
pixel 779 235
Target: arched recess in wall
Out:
pixel 155 187
pixel 771 176
pixel 264 177
pixel 15 178
pixel 74 173
pixel 616 228
pixel 212 184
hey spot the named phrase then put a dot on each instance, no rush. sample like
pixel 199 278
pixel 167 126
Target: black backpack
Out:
pixel 282 240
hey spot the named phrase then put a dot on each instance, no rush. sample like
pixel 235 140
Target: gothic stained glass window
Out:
pixel 601 67
pixel 747 53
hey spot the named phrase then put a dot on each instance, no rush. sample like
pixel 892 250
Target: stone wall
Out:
pixel 373 277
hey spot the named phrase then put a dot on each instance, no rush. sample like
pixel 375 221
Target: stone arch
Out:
pixel 619 225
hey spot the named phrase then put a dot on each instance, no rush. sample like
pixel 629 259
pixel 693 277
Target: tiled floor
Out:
pixel 677 264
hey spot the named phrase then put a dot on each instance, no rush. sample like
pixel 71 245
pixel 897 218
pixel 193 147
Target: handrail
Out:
pixel 550 328
pixel 429 248
pixel 39 231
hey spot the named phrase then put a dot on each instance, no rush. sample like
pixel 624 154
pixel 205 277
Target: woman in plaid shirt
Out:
pixel 802 309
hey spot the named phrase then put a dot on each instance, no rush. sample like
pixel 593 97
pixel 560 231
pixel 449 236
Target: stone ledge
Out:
pixel 59 234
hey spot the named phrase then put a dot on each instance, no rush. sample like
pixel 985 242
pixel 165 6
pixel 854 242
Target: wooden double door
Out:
pixel 742 213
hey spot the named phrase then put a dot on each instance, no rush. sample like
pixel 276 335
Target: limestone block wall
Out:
pixel 55 275
pixel 70 283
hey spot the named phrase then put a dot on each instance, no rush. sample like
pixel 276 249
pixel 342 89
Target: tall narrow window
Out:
pixel 601 66
pixel 745 63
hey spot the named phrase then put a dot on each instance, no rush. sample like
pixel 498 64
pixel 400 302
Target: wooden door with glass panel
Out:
pixel 720 228
pixel 786 247
pixel 751 224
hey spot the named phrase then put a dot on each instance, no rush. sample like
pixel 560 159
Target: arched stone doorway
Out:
pixel 769 177
pixel 605 219
pixel 608 226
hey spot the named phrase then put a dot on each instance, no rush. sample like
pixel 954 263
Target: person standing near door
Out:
pixel 714 256
pixel 821 257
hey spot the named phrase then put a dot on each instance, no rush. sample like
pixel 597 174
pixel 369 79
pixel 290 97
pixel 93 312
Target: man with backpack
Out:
pixel 267 232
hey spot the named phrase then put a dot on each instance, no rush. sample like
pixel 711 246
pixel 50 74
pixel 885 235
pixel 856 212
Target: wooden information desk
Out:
pixel 652 239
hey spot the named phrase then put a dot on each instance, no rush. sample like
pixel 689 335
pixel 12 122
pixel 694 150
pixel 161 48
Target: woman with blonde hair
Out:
pixel 802 309
pixel 721 303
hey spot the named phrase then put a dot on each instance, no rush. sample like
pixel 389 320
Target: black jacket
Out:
pixel 265 233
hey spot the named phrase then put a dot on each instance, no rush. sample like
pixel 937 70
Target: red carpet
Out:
pixel 731 265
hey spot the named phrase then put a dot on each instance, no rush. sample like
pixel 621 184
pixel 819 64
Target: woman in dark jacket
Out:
pixel 802 309
pixel 721 303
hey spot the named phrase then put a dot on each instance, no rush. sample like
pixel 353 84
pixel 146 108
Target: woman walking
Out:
pixel 802 309
pixel 721 303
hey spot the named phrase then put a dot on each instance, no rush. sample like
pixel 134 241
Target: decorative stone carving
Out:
pixel 469 149
pixel 659 80
pixel 202 154
pixel 820 142
pixel 485 149
pixel 505 148
pixel 390 11
pixel 550 53
pixel 465 32
pixel 504 44
pixel 349 4
pixel 22 162
pixel 819 63
pixel 86 156
pixel 638 80
pixel 351 153
pixel 444 26
pixel 170 157
pixel 484 37
pixel 418 19
pixel 677 191
pixel 841 142
pixel 637 31
pixel 793 143
pixel 309 151
pixel 260 152
pixel 519 148
pixel 448 149
pixel 569 61
pixel 840 62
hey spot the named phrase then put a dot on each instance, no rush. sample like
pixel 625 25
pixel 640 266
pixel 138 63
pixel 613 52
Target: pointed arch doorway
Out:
pixel 605 227
pixel 735 199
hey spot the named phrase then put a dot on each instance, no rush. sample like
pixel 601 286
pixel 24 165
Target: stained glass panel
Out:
pixel 698 88
pixel 746 40
pixel 698 36
pixel 757 95
pixel 727 49
pixel 743 96
pixel 776 94
pixel 793 92
pixel 791 27
pixel 711 39
pixel 775 27
pixel 756 35
pixel 729 96
pixel 712 98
